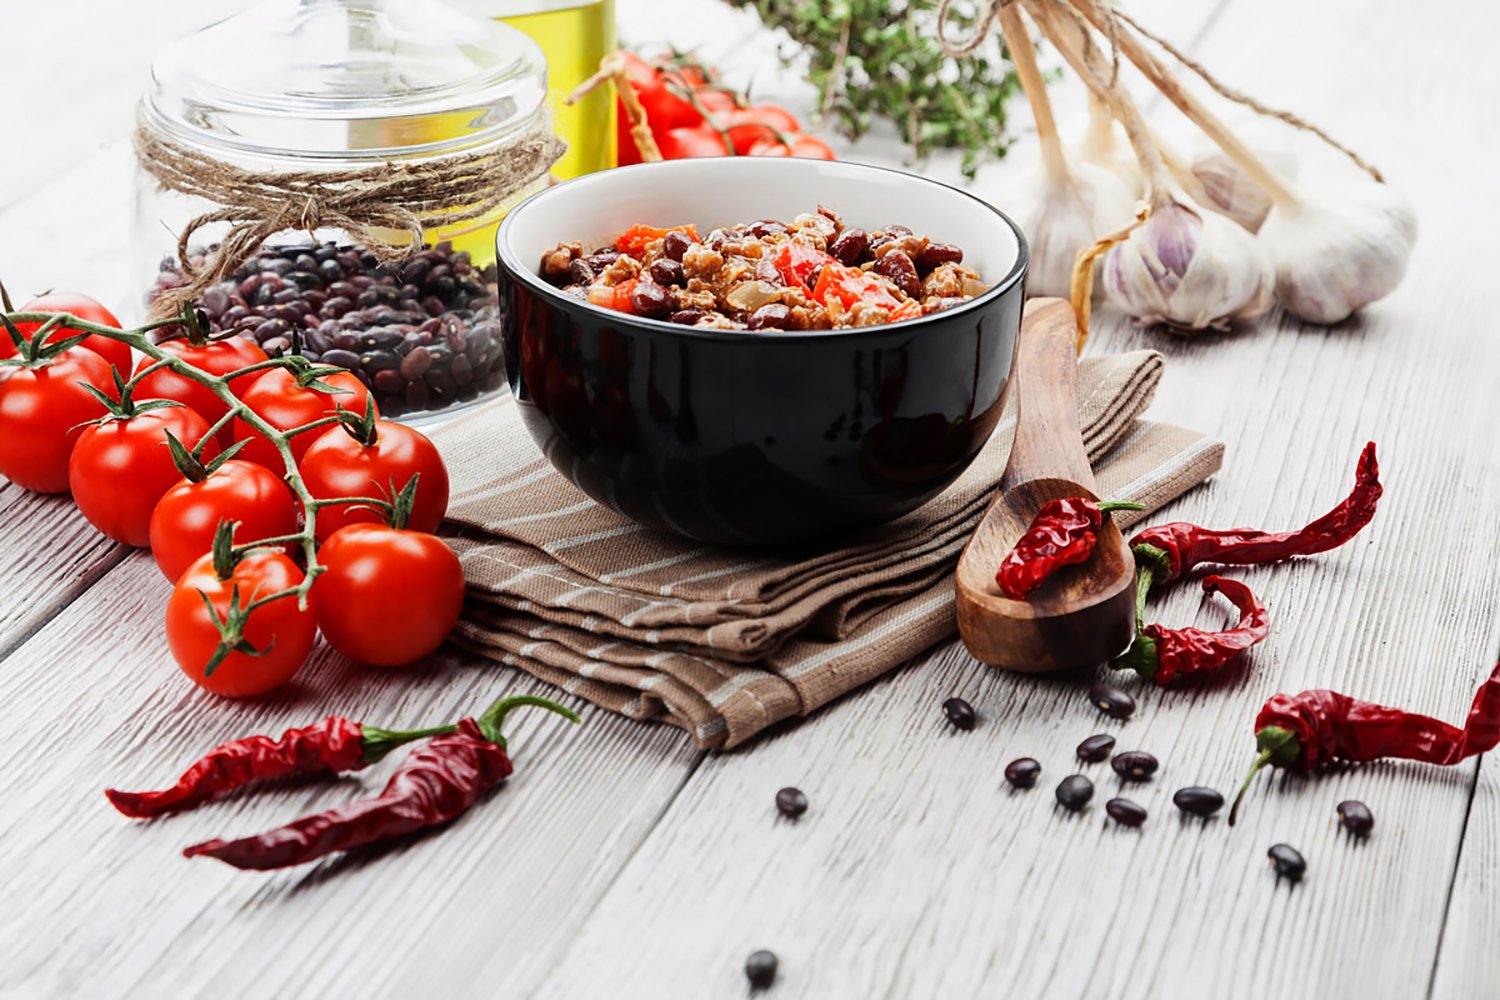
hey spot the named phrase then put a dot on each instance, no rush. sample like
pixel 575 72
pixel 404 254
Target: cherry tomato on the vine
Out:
pixel 41 409
pixel 338 465
pixel 388 596
pixel 747 126
pixel 691 143
pixel 284 404
pixel 216 357
pixel 805 146
pixel 281 632
pixel 85 308
pixel 188 514
pixel 121 468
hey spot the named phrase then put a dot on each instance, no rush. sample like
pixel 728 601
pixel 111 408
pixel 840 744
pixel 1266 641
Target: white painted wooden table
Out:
pixel 619 862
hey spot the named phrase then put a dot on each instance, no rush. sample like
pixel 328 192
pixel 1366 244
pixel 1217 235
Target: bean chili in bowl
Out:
pixel 813 273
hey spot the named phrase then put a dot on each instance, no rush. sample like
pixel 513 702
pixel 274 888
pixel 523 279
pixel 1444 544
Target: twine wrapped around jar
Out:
pixel 366 202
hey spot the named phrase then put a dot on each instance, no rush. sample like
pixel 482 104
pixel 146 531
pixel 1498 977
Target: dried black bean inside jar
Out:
pixel 1112 701
pixel 1096 748
pixel 1074 792
pixel 350 310
pixel 1198 801
pixel 1125 812
pixel 1288 862
pixel 1023 772
pixel 1134 765
pixel 1356 817
pixel 960 713
pixel 790 802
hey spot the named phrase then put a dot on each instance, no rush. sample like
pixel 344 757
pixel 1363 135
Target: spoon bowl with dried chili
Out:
pixel 756 351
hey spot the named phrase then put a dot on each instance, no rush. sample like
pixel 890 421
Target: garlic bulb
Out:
pixel 1188 268
pixel 1229 190
pixel 1101 147
pixel 1070 204
pixel 1066 212
pixel 1336 250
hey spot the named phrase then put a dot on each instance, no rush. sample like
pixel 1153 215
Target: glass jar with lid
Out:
pixel 273 140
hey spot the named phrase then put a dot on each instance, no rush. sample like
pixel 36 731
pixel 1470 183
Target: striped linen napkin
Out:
pixel 727 642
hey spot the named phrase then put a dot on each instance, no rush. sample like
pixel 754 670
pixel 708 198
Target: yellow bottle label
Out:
pixel 574 39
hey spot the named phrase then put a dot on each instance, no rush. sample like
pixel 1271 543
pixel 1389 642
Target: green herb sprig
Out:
pixel 881 58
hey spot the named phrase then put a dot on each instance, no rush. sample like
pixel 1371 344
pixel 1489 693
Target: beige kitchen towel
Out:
pixel 725 642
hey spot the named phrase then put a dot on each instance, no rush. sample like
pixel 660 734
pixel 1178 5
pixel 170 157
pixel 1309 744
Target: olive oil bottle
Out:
pixel 574 35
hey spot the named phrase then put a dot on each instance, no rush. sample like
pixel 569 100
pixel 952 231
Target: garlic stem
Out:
pixel 1259 171
pixel 1099 140
pixel 1088 64
pixel 1023 56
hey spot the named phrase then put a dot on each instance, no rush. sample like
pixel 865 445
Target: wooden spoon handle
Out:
pixel 1049 443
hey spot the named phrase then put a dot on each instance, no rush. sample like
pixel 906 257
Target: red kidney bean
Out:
pixel 897 266
pixel 771 316
pixel 939 253
pixel 849 246
pixel 649 299
pixel 665 271
pixel 674 245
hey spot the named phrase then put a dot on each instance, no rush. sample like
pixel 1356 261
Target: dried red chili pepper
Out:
pixel 331 746
pixel 436 783
pixel 1063 532
pixel 1315 726
pixel 1164 654
pixel 1170 550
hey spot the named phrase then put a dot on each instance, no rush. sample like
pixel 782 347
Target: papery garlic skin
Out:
pixel 1336 250
pixel 1188 268
pixel 1066 213
pixel 1228 189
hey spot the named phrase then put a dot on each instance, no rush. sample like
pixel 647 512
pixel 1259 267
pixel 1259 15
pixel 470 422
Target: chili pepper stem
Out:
pixel 494 716
pixel 1144 578
pixel 1261 761
pixel 380 742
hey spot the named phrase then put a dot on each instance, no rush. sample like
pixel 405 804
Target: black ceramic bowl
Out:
pixel 766 437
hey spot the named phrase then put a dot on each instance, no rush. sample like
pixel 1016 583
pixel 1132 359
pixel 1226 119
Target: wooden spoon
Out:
pixel 1084 614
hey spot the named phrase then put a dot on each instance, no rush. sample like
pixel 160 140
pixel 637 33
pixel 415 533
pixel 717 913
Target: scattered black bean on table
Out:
pixel 1074 792
pixel 420 333
pixel 1023 772
pixel 760 968
pixel 1125 812
pixel 791 803
pixel 960 713
pixel 1096 747
pixel 1287 861
pixel 1198 801
pixel 1134 765
pixel 1356 817
pixel 1112 701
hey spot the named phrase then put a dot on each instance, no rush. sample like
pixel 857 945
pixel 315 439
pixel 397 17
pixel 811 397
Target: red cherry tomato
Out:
pixel 120 469
pixel 388 597
pixel 664 109
pixel 279 630
pixel 804 146
pixel 85 308
pixel 40 410
pixel 337 465
pixel 719 103
pixel 188 514
pixel 747 126
pixel 691 143
pixel 217 357
pixel 281 402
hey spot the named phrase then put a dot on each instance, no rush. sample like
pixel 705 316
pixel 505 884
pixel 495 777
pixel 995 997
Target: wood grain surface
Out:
pixel 618 862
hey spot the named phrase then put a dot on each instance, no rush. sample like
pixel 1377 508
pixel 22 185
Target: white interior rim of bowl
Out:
pixel 622 176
